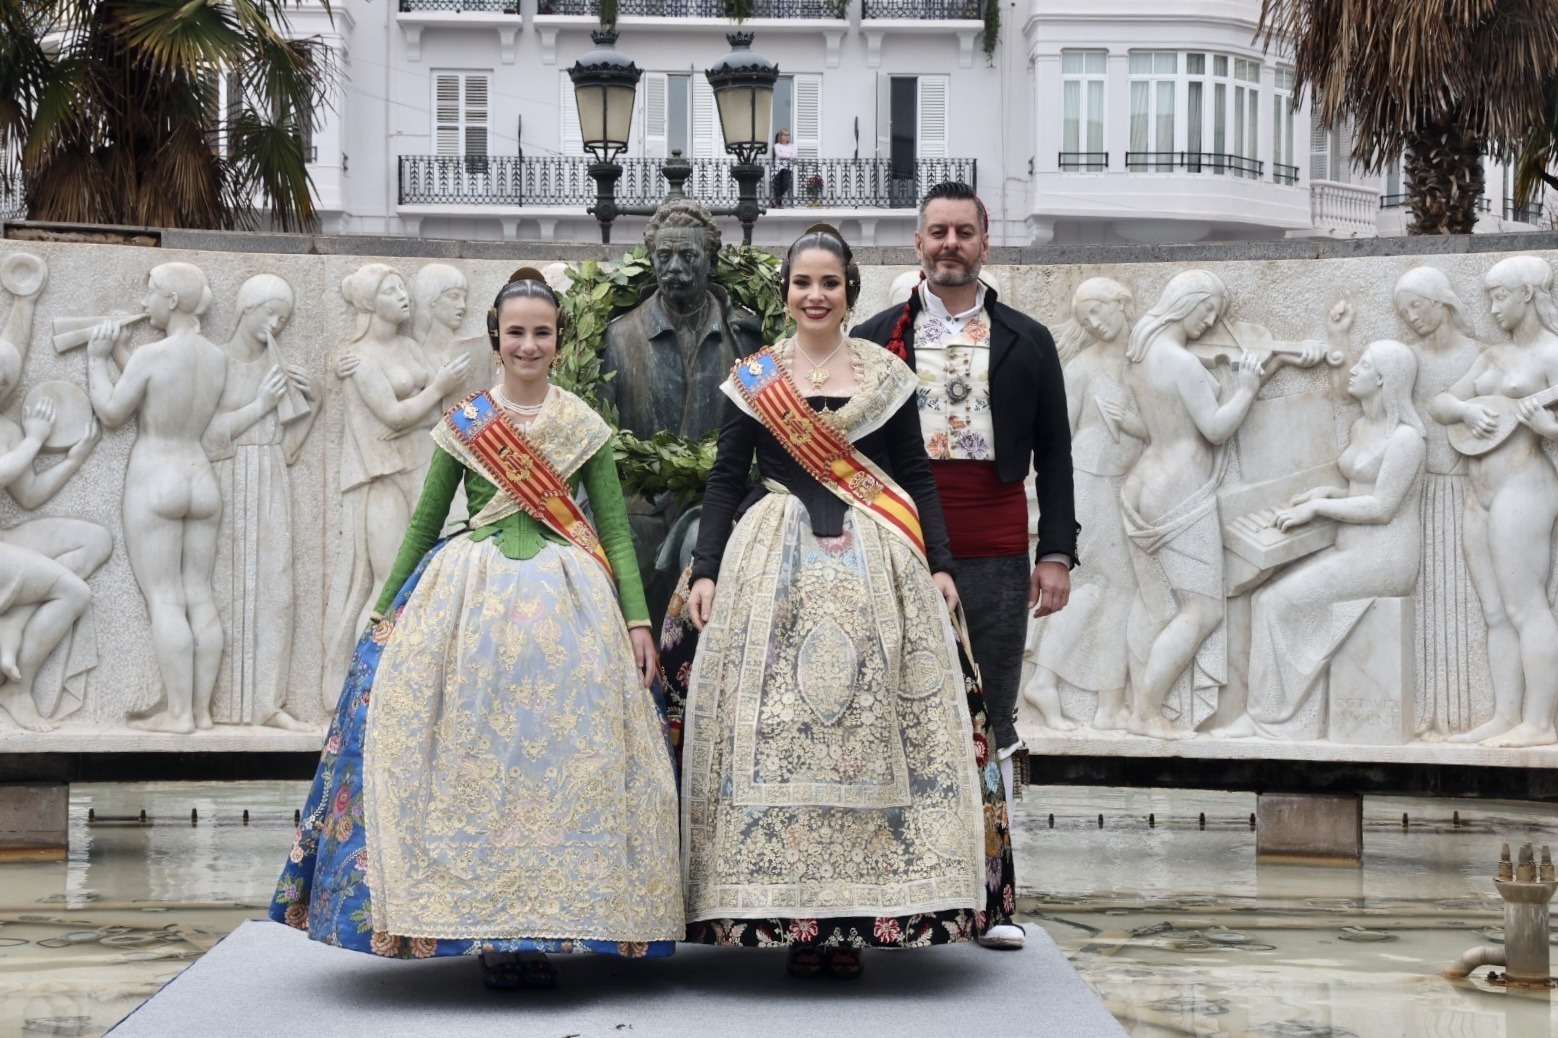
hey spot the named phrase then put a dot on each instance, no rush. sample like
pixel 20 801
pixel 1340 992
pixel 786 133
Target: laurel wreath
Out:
pixel 666 462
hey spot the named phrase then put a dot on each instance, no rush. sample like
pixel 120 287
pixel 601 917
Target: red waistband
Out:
pixel 985 517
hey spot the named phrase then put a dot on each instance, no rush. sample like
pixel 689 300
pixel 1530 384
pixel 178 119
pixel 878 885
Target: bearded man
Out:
pixel 992 406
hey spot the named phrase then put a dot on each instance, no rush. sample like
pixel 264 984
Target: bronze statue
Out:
pixel 668 355
pixel 671 352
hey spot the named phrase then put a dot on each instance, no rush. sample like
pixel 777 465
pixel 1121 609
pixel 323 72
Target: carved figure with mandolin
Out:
pixel 1514 504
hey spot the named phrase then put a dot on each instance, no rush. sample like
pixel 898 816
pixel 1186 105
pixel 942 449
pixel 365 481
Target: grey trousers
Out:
pixel 995 598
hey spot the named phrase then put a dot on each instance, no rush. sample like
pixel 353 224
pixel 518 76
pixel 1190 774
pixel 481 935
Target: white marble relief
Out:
pixel 1168 499
pixel 268 407
pixel 1503 410
pixel 290 464
pixel 392 394
pixel 172 502
pixel 1301 617
pixel 1084 644
pixel 1451 637
pixel 44 562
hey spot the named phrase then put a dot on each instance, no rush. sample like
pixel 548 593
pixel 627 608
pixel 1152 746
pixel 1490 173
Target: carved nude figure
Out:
pixel 1505 413
pixel 392 395
pixel 1168 499
pixel 253 445
pixel 1084 644
pixel 44 564
pixel 1301 618
pixel 1449 631
pixel 172 503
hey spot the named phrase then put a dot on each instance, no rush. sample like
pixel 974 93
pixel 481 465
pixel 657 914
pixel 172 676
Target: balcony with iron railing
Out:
pixel 1083 161
pixel 461 6
pixel 1283 174
pixel 923 10
pixel 506 180
pixel 1192 162
pixel 1523 212
pixel 685 8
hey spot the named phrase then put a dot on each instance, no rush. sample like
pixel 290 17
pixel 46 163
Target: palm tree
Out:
pixel 109 111
pixel 1443 82
pixel 1540 153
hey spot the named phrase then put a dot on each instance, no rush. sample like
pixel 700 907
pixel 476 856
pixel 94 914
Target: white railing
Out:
pixel 1347 208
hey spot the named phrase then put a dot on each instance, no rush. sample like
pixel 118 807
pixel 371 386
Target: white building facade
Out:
pixel 1088 121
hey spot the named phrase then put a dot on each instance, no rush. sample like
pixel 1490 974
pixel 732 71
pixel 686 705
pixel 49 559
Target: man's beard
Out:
pixel 951 278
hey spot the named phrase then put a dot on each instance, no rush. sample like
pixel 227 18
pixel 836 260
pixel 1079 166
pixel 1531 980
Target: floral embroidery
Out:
pixel 803 931
pixel 887 931
pixel 324 886
pixel 937 446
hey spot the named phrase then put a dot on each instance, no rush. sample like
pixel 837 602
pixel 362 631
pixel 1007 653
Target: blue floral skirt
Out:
pixel 324 887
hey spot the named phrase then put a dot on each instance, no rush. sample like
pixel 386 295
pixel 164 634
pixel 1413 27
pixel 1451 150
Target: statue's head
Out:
pixel 265 304
pixel 175 288
pixel 1104 307
pixel 682 240
pixel 439 294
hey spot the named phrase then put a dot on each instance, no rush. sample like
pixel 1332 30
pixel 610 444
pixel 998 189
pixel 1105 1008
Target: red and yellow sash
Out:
pixel 516 467
pixel 825 455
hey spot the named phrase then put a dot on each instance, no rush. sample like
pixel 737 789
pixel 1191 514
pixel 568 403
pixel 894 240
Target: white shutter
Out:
pixel 1319 150
pixel 653 100
pixel 884 116
pixel 931 132
pixel 475 114
pixel 446 114
pixel 806 134
pixel 708 139
pixel 569 141
pixel 1341 154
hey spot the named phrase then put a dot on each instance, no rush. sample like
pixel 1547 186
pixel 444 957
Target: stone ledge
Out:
pixel 221 739
pixel 1044 743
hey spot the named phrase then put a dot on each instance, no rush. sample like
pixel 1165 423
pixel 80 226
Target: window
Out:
pixel 1283 171
pixel 460 117
pixel 1220 114
pixel 1082 78
pixel 1246 116
pixel 1330 151
pixel 911 127
pixel 1153 76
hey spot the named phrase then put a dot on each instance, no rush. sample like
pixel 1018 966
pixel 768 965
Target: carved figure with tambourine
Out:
pixel 1500 418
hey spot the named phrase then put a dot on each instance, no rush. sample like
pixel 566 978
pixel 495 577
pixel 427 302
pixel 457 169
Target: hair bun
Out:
pixel 527 274
pixel 832 232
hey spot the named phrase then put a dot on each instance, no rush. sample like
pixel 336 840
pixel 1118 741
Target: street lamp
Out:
pixel 743 84
pixel 604 84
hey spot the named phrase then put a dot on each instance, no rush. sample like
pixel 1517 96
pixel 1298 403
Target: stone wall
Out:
pixel 1355 633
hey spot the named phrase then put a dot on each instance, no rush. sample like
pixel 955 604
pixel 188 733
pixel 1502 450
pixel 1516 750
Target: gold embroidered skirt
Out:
pixel 827 767
pixel 516 779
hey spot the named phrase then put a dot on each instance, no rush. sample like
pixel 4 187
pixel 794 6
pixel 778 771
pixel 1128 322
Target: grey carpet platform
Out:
pixel 267 980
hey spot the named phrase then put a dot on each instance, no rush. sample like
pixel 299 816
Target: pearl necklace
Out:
pixel 818 375
pixel 524 410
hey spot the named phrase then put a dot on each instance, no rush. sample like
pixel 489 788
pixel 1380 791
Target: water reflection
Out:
pixel 1182 933
pixel 1173 924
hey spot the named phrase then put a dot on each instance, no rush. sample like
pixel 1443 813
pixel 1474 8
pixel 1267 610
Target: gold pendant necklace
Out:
pixel 819 374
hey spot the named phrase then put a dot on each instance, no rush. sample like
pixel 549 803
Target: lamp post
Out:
pixel 604 84
pixel 743 84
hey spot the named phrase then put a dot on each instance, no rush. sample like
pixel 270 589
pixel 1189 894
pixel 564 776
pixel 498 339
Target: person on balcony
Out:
pixel 784 168
pixel 992 402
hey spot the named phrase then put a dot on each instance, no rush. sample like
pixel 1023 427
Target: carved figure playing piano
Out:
pixel 1169 500
pixel 1301 618
pixel 1504 406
